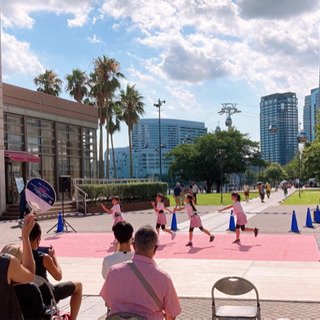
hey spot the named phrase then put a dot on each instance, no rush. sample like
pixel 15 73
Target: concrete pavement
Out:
pixel 287 289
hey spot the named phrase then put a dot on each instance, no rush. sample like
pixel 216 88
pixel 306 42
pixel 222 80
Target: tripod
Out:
pixel 66 224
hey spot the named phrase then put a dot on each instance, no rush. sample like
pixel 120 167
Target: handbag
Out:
pixel 147 286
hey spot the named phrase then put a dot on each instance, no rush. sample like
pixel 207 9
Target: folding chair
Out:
pixel 235 286
pixel 53 308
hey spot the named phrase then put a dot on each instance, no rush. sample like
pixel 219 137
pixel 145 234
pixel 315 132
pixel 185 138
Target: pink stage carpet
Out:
pixel 290 247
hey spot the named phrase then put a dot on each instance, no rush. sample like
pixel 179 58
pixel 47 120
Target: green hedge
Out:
pixel 144 191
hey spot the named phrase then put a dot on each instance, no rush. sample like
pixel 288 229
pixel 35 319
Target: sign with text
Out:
pixel 40 194
pixel 20 184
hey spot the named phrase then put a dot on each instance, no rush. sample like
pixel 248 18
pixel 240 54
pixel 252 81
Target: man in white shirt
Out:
pixel 123 232
pixel 195 190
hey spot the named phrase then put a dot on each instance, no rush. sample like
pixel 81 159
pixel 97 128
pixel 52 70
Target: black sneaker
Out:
pixel 256 231
pixel 236 241
pixel 189 244
pixel 211 238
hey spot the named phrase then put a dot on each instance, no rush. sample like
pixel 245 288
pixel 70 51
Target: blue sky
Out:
pixel 195 54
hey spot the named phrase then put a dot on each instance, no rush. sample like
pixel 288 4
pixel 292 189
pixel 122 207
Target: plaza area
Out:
pixel 283 265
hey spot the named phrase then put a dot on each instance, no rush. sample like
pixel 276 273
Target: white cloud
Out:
pixel 184 99
pixel 140 77
pixel 94 39
pixel 17 13
pixel 201 40
pixel 270 45
pixel 275 9
pixel 18 58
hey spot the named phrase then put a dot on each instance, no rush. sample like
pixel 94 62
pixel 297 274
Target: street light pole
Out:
pixel 158 105
pixel 302 139
pixel 220 155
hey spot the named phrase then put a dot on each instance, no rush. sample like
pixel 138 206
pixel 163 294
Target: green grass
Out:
pixel 307 197
pixel 214 199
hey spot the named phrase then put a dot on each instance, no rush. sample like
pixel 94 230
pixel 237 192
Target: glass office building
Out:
pixel 279 127
pixel 46 136
pixel 145 145
pixel 310 110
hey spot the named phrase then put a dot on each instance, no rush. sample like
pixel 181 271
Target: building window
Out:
pixel 13 132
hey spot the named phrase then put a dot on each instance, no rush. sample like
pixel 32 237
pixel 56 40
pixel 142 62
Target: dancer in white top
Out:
pixel 116 212
pixel 241 216
pixel 195 220
pixel 161 217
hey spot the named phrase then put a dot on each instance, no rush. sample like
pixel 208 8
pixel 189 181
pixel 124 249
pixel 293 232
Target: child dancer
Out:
pixel 161 217
pixel 195 220
pixel 116 212
pixel 241 216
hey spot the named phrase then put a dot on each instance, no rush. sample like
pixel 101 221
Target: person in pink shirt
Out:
pixel 241 216
pixel 195 220
pixel 161 217
pixel 123 291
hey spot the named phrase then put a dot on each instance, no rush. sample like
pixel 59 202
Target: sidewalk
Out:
pixel 287 289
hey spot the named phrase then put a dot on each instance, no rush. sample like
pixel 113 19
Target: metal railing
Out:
pixel 81 199
pixel 80 181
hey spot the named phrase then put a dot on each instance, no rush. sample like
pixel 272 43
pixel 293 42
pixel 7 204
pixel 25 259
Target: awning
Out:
pixel 20 156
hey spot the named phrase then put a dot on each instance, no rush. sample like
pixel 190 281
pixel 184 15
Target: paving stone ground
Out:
pixel 200 309
pixel 272 220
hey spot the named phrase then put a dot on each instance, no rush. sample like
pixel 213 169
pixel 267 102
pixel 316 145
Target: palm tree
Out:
pixel 96 92
pixel 77 84
pixel 105 78
pixel 132 107
pixel 114 126
pixel 48 82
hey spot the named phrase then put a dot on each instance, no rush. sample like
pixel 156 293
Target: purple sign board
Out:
pixel 40 194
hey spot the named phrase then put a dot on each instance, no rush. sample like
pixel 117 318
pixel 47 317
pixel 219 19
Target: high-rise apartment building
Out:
pixel 279 127
pixel 145 145
pixel 310 110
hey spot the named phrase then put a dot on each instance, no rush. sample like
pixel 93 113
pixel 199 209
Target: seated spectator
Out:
pixel 28 294
pixel 124 292
pixel 48 262
pixel 123 233
pixel 12 271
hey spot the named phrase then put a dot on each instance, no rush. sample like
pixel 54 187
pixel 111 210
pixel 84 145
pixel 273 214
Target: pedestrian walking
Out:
pixel 246 190
pixel 177 194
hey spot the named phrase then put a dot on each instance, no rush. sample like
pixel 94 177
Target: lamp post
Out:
pixel 219 156
pixel 158 105
pixel 273 131
pixel 302 138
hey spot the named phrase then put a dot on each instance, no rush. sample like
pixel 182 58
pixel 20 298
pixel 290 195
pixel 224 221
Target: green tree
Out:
pixel 228 150
pixel 48 82
pixel 114 126
pixel 77 84
pixel 132 108
pixel 310 160
pixel 96 92
pixel 104 80
pixel 311 155
pixel 274 172
pixel 250 177
pixel 292 168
